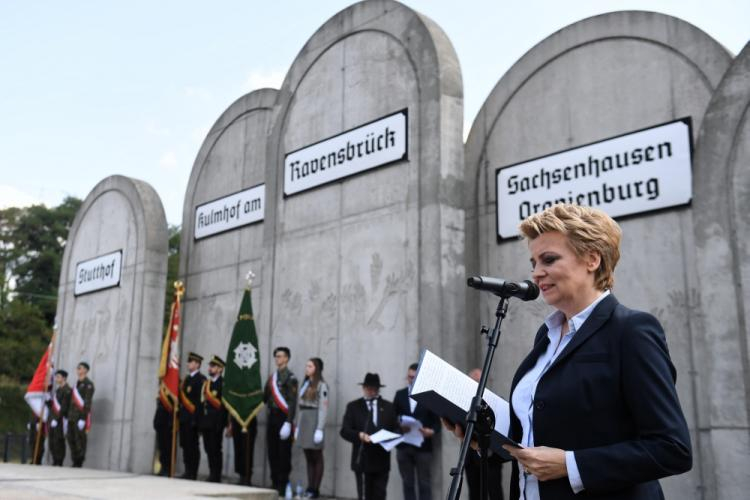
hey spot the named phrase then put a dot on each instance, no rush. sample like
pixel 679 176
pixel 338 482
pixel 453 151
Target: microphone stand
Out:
pixel 480 418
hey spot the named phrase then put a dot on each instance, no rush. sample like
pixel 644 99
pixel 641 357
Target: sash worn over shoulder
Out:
pixel 189 406
pixel 208 395
pixel 276 393
pixel 56 408
pixel 78 399
pixel 80 404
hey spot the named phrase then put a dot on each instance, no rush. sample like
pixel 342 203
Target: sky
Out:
pixel 89 89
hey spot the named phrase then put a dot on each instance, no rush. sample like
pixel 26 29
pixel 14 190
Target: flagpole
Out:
pixel 40 428
pixel 179 289
pixel 248 470
pixel 37 441
pixel 175 423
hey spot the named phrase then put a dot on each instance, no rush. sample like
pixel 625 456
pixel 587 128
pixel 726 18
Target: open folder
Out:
pixel 447 392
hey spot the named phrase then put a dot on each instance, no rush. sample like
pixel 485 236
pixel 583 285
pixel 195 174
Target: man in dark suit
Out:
pixel 363 417
pixel 414 462
pixel 190 403
pixel 213 418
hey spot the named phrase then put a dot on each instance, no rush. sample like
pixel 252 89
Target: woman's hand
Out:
pixel 543 462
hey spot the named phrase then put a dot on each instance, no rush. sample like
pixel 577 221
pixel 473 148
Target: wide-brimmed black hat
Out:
pixel 372 380
pixel 217 361
pixel 195 357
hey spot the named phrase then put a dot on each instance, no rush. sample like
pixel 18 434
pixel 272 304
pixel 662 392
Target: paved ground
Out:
pixel 30 482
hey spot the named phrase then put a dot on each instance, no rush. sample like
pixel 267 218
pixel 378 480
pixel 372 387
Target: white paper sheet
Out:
pixel 412 436
pixel 383 435
pixel 389 445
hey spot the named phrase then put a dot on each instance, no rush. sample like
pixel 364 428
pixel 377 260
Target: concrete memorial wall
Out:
pixel 109 314
pixel 363 241
pixel 222 237
pixel 722 267
pixel 615 80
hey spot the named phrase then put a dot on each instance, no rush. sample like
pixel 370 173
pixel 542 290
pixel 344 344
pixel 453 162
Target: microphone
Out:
pixel 525 290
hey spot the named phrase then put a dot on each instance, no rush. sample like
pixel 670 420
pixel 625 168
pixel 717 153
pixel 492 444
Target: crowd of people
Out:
pixel 296 416
pixel 68 418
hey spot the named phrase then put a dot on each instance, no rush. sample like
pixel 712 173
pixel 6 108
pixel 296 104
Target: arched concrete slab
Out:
pixel 598 78
pixel 722 231
pixel 231 159
pixel 117 330
pixel 366 270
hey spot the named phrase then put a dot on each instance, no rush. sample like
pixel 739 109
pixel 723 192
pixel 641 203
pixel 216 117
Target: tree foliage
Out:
pixel 32 241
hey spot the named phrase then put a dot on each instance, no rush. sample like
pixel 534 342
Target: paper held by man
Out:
pixel 387 439
pixel 447 392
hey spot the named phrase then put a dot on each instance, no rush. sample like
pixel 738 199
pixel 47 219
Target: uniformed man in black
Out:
pixel 57 419
pixel 244 448
pixel 213 418
pixel 163 428
pixel 189 415
pixel 280 395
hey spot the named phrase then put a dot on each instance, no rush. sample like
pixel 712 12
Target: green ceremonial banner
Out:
pixel 243 388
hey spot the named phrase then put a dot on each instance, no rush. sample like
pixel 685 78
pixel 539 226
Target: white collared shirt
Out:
pixel 192 374
pixel 372 406
pixel 412 403
pixel 523 395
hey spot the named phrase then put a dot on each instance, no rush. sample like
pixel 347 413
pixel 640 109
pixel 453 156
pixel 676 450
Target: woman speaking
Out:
pixel 594 403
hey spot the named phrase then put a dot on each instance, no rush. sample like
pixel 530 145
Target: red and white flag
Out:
pixel 36 393
pixel 169 368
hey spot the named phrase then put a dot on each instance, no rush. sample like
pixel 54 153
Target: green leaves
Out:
pixel 32 240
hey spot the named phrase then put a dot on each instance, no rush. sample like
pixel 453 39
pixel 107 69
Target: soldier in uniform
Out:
pixel 79 415
pixel 244 447
pixel 190 402
pixel 163 428
pixel 280 395
pixel 213 418
pixel 57 419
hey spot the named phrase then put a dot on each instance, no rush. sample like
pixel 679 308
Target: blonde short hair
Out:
pixel 587 230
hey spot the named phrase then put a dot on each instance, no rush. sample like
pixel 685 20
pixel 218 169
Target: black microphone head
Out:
pixel 474 281
pixel 532 292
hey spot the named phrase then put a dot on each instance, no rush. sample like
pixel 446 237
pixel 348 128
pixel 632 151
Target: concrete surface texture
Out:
pixel 43 482
pixel 366 271
pixel 117 330
pixel 722 231
pixel 598 78
pixel 232 158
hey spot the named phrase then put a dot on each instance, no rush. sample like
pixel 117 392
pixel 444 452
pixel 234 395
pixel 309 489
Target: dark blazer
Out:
pixel 213 419
pixel 191 390
pixel 356 419
pixel 610 397
pixel 428 419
